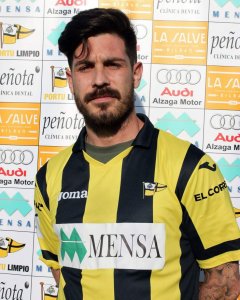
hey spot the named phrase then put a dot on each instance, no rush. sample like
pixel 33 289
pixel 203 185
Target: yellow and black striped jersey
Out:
pixel 138 227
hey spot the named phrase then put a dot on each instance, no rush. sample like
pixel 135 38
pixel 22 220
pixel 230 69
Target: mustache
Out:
pixel 102 92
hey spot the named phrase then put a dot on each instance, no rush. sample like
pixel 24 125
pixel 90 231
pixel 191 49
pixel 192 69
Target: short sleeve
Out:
pixel 209 219
pixel 47 238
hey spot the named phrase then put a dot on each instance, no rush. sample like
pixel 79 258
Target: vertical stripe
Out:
pixel 191 159
pixel 189 267
pixel 101 207
pixel 72 290
pixel 138 167
pixel 132 284
pixel 103 195
pixel 164 283
pixel 71 209
pixel 75 179
pixel 42 184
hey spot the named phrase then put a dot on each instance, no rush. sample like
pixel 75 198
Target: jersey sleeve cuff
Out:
pixel 220 259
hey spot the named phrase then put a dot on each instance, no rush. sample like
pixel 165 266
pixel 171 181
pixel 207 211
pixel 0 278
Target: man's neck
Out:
pixel 127 132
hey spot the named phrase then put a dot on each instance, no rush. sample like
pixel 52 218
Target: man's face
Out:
pixel 103 83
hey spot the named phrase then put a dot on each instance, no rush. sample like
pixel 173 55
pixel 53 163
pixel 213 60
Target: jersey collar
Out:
pixel 143 139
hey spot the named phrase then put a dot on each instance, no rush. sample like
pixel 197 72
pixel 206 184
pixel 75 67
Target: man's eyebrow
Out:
pixel 108 60
pixel 114 59
pixel 82 62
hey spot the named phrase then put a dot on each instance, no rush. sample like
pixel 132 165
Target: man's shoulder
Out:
pixel 173 141
pixel 57 161
pixel 176 150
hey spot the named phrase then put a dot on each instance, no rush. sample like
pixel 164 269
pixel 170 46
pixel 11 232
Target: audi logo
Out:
pixel 16 157
pixel 140 31
pixel 225 122
pixel 178 76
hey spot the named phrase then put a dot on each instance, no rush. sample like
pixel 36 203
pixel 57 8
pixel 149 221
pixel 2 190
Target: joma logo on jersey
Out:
pixel 121 245
pixel 73 195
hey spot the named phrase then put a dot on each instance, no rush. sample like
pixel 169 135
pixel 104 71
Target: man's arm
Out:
pixel 56 275
pixel 221 283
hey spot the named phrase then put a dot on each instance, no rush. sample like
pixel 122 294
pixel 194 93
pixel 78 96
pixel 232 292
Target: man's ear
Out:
pixel 137 74
pixel 69 78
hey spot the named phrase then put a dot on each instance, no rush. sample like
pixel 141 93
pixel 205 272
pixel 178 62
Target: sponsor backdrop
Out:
pixel 190 87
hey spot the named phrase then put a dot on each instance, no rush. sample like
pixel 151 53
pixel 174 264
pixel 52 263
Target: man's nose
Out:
pixel 100 77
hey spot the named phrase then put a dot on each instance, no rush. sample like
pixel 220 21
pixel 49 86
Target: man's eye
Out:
pixel 113 65
pixel 83 68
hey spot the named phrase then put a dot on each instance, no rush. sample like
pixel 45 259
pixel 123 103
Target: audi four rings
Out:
pixel 178 76
pixel 227 122
pixel 140 30
pixel 16 157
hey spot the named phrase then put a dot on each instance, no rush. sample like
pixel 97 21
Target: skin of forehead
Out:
pixel 82 54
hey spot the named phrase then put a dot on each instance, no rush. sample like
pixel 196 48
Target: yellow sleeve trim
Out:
pixel 219 260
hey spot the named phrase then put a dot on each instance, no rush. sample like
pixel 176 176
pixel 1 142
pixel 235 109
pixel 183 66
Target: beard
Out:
pixel 106 123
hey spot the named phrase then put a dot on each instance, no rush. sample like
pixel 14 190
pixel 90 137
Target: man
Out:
pixel 130 212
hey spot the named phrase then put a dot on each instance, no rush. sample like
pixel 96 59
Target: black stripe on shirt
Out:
pixel 42 184
pixel 132 284
pixel 75 179
pixel 188 263
pixel 49 255
pixel 221 248
pixel 191 159
pixel 138 167
pixel 73 288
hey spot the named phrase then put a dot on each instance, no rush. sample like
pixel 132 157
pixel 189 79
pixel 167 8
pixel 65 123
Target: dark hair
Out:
pixel 93 22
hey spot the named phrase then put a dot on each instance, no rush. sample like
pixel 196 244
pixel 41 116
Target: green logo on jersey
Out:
pixel 72 245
